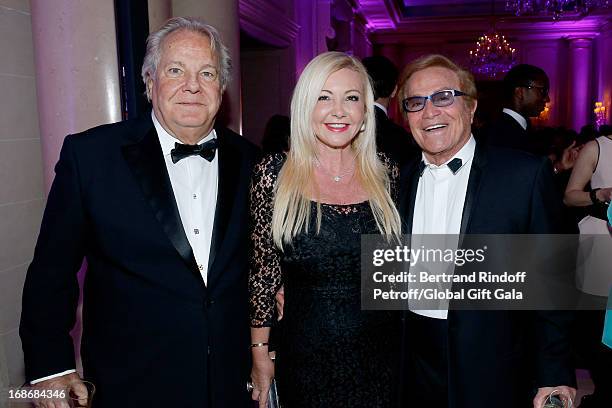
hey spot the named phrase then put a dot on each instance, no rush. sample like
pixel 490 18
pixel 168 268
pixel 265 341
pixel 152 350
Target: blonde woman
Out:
pixel 308 209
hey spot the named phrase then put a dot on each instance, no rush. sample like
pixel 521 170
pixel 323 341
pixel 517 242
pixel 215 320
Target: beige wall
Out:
pixel 21 191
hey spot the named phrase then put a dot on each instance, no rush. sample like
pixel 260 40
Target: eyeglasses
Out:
pixel 542 89
pixel 440 99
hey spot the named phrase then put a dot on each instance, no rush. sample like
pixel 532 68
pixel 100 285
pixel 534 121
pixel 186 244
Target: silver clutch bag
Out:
pixel 273 401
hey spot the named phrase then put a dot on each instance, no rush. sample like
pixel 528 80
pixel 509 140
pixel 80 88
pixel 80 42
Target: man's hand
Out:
pixel 71 383
pixel 280 302
pixel 564 392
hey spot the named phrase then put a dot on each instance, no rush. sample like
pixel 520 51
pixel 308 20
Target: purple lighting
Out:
pixel 377 15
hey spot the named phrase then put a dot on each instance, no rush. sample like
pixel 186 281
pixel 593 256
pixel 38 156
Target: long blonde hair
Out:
pixel 291 213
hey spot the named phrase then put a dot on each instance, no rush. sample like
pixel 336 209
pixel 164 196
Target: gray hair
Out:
pixel 197 25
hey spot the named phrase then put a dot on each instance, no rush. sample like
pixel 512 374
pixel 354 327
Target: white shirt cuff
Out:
pixel 52 376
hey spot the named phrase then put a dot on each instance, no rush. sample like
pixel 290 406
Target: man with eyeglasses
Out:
pixel 461 358
pixel 525 94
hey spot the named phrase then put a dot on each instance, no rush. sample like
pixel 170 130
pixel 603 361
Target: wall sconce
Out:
pixel 545 114
pixel 543 117
pixel 600 114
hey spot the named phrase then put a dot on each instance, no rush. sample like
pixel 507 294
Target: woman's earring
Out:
pixel 362 127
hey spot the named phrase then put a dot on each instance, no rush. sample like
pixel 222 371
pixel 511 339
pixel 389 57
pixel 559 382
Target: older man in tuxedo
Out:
pixel 158 208
pixel 475 359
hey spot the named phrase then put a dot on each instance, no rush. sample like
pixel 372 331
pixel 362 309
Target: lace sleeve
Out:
pixel 394 173
pixel 265 272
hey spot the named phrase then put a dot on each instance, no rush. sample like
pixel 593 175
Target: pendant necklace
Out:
pixel 335 177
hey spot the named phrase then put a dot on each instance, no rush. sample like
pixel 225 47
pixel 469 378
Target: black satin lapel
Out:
pixel 411 183
pixel 478 164
pixel 229 173
pixel 146 161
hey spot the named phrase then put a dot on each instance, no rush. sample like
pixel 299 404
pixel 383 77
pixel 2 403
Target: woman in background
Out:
pixel 594 166
pixel 309 208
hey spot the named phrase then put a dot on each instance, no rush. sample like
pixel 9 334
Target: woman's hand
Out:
pixel 262 374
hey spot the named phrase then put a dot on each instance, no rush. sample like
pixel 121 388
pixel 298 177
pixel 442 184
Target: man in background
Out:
pixel 391 138
pixel 525 95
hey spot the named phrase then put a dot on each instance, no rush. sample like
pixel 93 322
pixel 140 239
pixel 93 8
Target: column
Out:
pixel 223 15
pixel 77 75
pixel 314 19
pixel 159 12
pixel 77 79
pixel 603 61
pixel 580 69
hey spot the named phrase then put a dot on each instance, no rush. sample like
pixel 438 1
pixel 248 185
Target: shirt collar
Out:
pixel 381 108
pixel 466 154
pixel 167 141
pixel 517 116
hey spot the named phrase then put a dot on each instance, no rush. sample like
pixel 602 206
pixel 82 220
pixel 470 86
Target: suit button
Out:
pixel 210 302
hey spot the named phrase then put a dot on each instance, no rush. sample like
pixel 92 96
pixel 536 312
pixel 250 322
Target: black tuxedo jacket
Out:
pixel 153 334
pixel 393 139
pixel 498 358
pixel 506 132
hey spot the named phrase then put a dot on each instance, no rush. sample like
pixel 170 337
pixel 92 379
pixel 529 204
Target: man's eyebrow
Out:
pixel 447 88
pixel 183 65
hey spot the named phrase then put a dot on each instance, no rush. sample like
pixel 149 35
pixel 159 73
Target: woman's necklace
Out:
pixel 336 177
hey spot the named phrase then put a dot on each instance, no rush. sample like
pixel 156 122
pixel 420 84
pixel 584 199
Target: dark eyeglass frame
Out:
pixel 431 97
pixel 542 89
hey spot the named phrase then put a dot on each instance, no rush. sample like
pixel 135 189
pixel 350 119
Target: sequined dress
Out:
pixel 330 353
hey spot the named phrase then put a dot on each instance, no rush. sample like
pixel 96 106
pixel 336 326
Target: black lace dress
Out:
pixel 330 353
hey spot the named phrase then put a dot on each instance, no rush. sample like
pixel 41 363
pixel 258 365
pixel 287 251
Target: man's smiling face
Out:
pixel 440 131
pixel 186 92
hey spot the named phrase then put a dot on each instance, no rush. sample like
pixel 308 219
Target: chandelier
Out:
pixel 555 8
pixel 600 114
pixel 492 55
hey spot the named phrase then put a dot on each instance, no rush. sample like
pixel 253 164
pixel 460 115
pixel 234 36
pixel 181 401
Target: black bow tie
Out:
pixel 205 150
pixel 454 166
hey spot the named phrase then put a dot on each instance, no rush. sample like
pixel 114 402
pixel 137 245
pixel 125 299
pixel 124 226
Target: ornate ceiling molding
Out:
pixel 379 14
pixel 466 29
pixel 267 23
pixel 386 24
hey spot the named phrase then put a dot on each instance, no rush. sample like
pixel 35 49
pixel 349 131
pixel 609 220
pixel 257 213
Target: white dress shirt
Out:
pixel 195 183
pixel 382 108
pixel 516 116
pixel 438 207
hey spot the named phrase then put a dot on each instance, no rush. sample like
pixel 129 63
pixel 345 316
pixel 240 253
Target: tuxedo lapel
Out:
pixel 410 185
pixel 229 177
pixel 473 187
pixel 146 161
